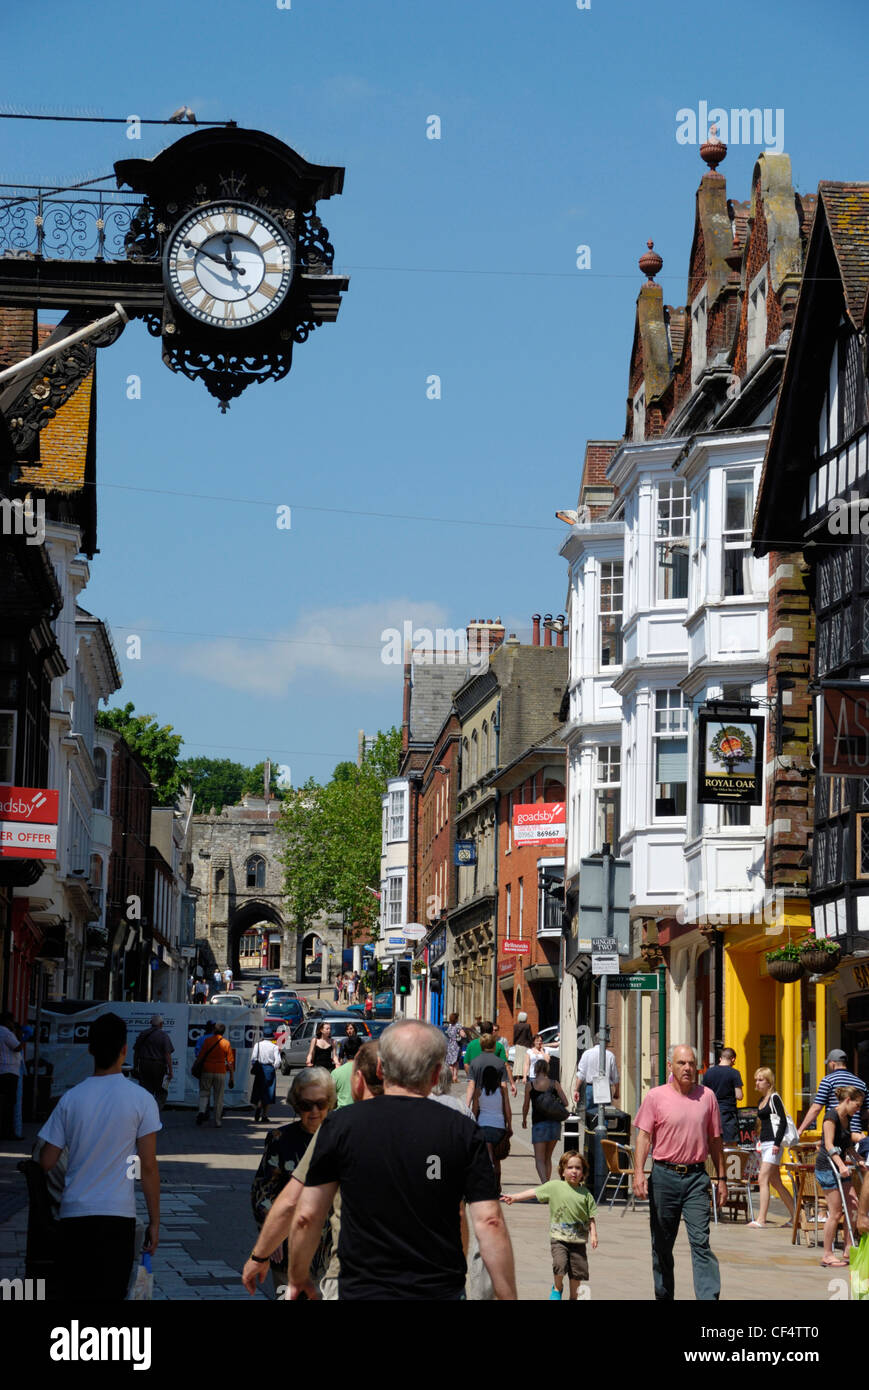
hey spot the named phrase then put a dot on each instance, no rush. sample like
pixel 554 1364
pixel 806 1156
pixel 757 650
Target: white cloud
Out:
pixel 341 644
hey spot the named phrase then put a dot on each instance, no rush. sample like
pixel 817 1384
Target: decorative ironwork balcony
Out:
pixel 77 224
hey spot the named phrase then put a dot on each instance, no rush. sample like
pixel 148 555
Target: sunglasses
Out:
pixel 303 1106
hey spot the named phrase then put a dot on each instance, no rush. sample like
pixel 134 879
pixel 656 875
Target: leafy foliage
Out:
pixel 789 952
pixel 219 782
pixel 331 835
pixel 157 745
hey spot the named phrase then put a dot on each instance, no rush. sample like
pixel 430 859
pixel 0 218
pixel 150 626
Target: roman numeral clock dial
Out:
pixel 229 265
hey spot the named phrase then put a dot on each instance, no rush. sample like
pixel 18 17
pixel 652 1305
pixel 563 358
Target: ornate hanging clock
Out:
pixel 246 262
pixel 217 247
pixel 229 265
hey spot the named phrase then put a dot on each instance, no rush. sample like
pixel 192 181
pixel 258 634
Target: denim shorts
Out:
pixel 545 1131
pixel 827 1178
pixel 491 1135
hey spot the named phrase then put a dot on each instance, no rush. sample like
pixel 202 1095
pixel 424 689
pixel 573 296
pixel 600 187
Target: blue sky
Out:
pixel 557 130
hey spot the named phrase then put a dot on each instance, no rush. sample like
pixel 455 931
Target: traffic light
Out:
pixel 402 977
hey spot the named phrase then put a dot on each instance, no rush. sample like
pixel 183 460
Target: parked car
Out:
pixel 294 1053
pixel 265 985
pixel 551 1040
pixel 276 995
pixel 378 1025
pixel 285 1014
pixel 227 999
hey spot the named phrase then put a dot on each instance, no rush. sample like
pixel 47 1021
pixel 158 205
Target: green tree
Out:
pixel 219 782
pixel 331 835
pixel 157 745
pixel 215 782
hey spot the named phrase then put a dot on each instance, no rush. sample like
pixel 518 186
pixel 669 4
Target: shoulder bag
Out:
pixel 790 1136
pixel 501 1150
pixel 549 1105
pixel 196 1069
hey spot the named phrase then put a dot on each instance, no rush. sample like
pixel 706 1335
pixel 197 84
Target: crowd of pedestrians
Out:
pixel 402 1199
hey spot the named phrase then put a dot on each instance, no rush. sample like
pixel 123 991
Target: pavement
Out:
pixel 207 1226
pixel 760 1265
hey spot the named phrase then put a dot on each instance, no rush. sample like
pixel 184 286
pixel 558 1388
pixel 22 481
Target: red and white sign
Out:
pixel 28 823
pixel 516 948
pixel 541 823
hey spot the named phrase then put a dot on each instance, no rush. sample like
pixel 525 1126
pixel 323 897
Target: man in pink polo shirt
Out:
pixel 681 1123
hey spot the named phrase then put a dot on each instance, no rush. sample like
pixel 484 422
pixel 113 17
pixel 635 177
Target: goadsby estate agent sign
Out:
pixel 541 823
pixel 28 823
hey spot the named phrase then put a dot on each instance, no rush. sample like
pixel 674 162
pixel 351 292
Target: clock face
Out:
pixel 229 265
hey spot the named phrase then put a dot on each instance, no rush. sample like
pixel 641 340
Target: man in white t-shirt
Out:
pixel 589 1068
pixel 10 1069
pixel 109 1126
pixel 227 979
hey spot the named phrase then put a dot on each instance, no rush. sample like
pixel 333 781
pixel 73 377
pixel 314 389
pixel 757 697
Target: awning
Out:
pixel 536 974
pixel 506 982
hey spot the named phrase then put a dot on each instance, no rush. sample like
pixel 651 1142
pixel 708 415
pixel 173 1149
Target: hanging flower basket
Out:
pixel 787 972
pixel 785 964
pixel 817 961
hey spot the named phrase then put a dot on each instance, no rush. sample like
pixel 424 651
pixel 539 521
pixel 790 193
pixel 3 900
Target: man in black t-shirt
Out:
pixel 404 1167
pixel 725 1083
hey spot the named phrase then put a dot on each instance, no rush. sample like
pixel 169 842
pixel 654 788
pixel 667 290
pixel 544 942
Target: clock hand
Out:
pixel 212 255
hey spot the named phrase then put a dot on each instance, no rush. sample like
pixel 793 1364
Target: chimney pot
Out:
pixel 535 638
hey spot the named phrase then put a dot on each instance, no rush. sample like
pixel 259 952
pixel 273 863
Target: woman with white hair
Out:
pixel 522 1040
pixel 312 1095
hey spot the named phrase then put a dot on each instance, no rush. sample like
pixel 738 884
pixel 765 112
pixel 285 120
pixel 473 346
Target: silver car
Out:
pixel 294 1053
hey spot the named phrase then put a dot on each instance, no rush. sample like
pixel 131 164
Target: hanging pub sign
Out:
pixel 730 759
pixel 465 852
pixel 845 730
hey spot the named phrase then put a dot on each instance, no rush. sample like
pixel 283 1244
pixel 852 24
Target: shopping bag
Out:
pixel 143 1289
pixel 859 1259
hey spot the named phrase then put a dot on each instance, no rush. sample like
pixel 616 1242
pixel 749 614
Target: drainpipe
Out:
pixel 495 918
pixel 718 1004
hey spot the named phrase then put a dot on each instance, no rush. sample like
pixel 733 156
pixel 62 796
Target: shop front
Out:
pixel 437 950
pixel 786 1027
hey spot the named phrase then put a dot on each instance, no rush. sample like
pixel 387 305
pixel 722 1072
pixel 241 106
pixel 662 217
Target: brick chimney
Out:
pixel 535 629
pixel 17 335
pixel 484 635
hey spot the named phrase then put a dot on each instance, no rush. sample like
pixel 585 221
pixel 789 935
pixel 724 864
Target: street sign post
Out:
pixel 634 982
pixel 604 901
pixel 605 965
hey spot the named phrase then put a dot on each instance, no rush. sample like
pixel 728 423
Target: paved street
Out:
pixel 207 1227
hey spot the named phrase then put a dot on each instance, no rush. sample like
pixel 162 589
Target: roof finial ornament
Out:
pixel 713 150
pixel 650 263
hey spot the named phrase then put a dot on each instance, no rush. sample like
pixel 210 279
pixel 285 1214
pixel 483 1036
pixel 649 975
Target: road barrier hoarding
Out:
pixel 64 1037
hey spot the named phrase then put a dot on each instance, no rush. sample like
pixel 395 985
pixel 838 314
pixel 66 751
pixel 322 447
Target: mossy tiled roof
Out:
pixel 63 444
pixel 847 209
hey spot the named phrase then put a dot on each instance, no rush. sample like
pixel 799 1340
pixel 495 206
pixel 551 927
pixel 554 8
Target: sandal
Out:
pixel 834 1264
pixel 758 1225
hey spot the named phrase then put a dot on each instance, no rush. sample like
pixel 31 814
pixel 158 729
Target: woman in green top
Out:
pixel 572 1210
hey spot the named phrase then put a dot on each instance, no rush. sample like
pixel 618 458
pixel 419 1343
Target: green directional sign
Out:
pixel 632 982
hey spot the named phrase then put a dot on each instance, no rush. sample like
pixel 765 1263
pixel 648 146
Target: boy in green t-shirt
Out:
pixel 572 1210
